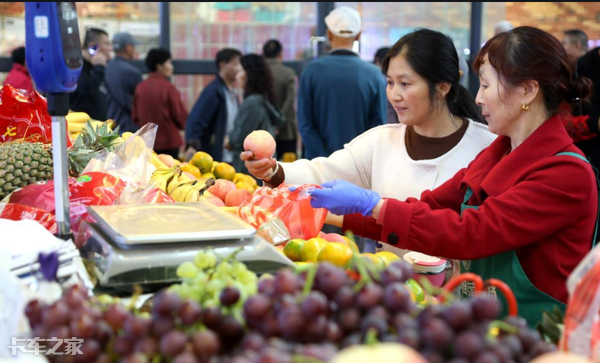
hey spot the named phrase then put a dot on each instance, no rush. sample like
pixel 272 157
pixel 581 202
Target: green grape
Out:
pixel 195 292
pixel 205 259
pixel 238 269
pixel 214 286
pixel 199 280
pixel 187 270
pixel 224 269
pixel 248 278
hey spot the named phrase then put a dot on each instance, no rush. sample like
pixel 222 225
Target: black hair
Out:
pixel 272 48
pixel 18 55
pixel 226 55
pixel 380 54
pixel 259 79
pixel 578 36
pixel 155 57
pixel 433 56
pixel 92 35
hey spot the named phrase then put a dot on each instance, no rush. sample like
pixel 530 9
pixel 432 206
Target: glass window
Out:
pixel 200 30
pixel 383 23
pixel 138 18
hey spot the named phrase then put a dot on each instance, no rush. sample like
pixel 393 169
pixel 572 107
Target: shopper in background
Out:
pixel 18 76
pixel 284 88
pixel 156 100
pixel 502 26
pixel 121 80
pixel 258 111
pixel 440 129
pixel 391 117
pixel 90 94
pixel 213 114
pixel 340 95
pixel 525 210
pixel 575 42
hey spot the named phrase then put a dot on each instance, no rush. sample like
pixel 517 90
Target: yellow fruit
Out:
pixel 337 253
pixel 250 180
pixel 378 261
pixel 238 177
pixel 312 248
pixel 207 176
pixel 293 249
pixel 387 257
pixel 224 171
pixel 192 170
pixel 416 289
pixel 352 245
pixel 244 185
pixel 202 161
pixel 212 168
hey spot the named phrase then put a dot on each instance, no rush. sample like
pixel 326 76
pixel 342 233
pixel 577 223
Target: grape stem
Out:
pixel 310 279
pixel 500 325
pixel 371 337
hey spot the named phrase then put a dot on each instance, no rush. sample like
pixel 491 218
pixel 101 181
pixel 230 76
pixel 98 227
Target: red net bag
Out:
pixel 18 212
pixel 293 208
pixel 25 119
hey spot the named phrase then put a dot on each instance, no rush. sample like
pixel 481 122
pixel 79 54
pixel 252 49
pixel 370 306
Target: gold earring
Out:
pixel 525 107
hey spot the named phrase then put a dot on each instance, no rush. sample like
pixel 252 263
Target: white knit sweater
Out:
pixel 378 160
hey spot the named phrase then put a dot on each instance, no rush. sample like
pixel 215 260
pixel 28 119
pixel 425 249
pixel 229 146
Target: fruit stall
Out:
pixel 190 261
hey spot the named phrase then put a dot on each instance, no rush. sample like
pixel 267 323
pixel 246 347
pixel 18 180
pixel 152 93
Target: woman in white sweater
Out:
pixel 439 133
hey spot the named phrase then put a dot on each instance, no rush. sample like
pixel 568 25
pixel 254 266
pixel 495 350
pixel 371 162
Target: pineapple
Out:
pixel 25 163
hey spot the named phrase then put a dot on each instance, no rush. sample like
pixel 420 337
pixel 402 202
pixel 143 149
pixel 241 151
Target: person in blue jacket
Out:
pixel 213 115
pixel 340 96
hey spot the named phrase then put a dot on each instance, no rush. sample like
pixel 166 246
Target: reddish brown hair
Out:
pixel 528 53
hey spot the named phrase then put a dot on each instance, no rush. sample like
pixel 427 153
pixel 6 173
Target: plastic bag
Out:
pixel 582 319
pixel 293 208
pixel 155 196
pixel 130 161
pixel 274 232
pixel 89 189
pixel 25 118
pixel 19 212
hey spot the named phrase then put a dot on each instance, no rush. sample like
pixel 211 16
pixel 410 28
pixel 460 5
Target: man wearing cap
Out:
pixel 340 96
pixel 121 80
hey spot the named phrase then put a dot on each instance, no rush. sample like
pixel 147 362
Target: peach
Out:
pixel 236 197
pixel 333 237
pixel 221 188
pixel 215 200
pixel 261 143
pixel 167 159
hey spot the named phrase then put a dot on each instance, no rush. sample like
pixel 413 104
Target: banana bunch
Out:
pixel 76 122
pixel 190 191
pixel 163 177
pixel 153 158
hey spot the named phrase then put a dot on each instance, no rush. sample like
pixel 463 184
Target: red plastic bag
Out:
pixel 18 212
pixel 24 118
pixel 92 188
pixel 293 208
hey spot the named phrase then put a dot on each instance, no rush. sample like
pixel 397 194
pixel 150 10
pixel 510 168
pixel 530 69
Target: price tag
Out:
pixel 41 27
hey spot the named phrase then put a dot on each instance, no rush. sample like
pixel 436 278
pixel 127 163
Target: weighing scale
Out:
pixel 144 244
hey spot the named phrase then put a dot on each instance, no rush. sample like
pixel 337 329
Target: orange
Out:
pixel 208 176
pixel 376 260
pixel 202 161
pixel 293 249
pixel 250 180
pixel 337 253
pixel 311 249
pixel 192 170
pixel 224 171
pixel 387 256
pixel 352 245
pixel 238 177
pixel 212 168
pixel 244 185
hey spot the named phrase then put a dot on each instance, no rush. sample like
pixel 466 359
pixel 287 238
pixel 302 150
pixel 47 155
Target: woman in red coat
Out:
pixel 525 210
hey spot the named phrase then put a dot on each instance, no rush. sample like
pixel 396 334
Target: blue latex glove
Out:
pixel 341 197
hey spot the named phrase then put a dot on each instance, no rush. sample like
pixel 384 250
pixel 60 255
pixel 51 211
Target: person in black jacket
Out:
pixel 90 95
pixel 213 114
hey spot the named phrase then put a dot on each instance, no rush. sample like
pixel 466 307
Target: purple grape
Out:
pixel 136 326
pixel 147 345
pixel 229 296
pixel 437 334
pixel 134 358
pixel 115 316
pixel 485 307
pixel 286 282
pixel 513 343
pixel 272 355
pixel 231 331
pixel 392 274
pixel 314 304
pixel 291 323
pixel 373 322
pixel 172 343
pixel 334 332
pixel 430 311
pixel 211 317
pixel 528 339
pixel 165 303
pixel 329 279
pixel 162 325
pixel 433 356
pixel 256 307
pixel 540 347
pixel 486 357
pixel 82 327
pixel 350 320
pixel 206 344
pixel 344 298
pixel 468 344
pixel 190 312
pixel 407 270
pixel 316 329
pixel 396 297
pixel 33 311
pixel 403 321
pixel 266 286
pixel 410 337
pixel 55 315
pixel 353 339
pixel 123 346
pixel 185 357
pixel 91 350
pixel 369 296
pixel 323 353
pixel 253 342
pixel 517 321
pixel 103 332
pixel 458 315
pixel 270 327
pixel 380 312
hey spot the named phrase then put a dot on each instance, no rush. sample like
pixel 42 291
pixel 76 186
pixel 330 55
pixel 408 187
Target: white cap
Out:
pixel 343 22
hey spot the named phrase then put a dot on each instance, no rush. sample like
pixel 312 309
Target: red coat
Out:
pixel 156 100
pixel 540 205
pixel 19 78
